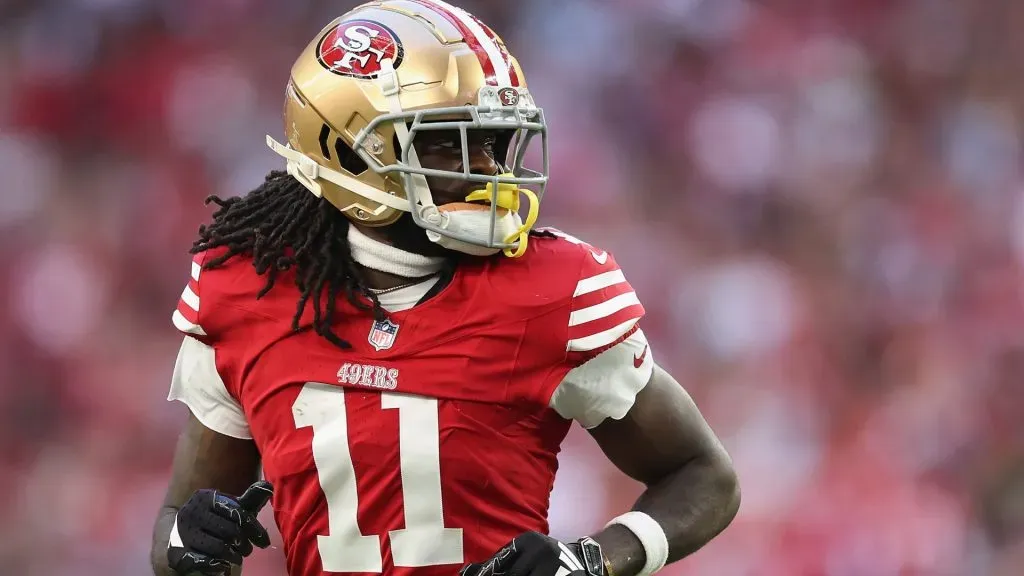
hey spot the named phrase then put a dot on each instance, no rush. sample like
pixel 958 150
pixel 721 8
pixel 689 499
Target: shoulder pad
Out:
pixel 604 308
pixel 213 296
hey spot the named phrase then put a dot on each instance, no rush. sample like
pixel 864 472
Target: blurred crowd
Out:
pixel 820 203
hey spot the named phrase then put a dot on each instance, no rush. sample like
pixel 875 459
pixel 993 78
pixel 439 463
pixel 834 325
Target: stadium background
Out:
pixel 820 202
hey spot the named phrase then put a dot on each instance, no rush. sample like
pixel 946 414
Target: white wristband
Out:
pixel 652 538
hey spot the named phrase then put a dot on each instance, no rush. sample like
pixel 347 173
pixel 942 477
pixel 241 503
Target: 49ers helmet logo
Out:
pixel 508 96
pixel 356 48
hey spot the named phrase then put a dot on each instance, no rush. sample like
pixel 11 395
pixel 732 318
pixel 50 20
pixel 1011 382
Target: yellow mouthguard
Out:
pixel 508 198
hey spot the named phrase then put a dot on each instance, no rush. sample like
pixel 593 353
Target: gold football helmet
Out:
pixel 385 71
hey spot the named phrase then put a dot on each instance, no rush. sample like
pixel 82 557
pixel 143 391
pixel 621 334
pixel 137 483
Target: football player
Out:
pixel 382 334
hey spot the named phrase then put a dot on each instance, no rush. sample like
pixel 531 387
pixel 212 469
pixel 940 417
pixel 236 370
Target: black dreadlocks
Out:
pixel 281 225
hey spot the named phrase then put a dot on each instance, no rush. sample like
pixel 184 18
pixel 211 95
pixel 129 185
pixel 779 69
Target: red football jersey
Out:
pixel 430 443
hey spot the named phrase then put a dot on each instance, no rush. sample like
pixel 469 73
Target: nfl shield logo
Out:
pixel 382 334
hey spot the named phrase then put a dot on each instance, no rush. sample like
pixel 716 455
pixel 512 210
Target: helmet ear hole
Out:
pixel 325 133
pixel 348 159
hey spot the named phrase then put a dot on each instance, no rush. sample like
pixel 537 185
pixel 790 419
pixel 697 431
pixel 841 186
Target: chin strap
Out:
pixel 306 171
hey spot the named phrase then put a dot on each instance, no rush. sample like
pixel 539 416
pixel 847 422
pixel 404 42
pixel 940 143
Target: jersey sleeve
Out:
pixel 197 381
pixel 606 386
pixel 603 357
pixel 197 384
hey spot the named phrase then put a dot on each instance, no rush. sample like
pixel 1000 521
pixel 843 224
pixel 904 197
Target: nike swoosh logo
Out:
pixel 601 258
pixel 638 361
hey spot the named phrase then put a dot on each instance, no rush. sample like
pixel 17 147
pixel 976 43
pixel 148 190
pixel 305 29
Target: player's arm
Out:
pixel 692 489
pixel 203 459
pixel 208 520
pixel 645 423
pixel 649 427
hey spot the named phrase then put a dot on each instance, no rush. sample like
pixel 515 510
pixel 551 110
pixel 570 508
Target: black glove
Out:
pixel 534 554
pixel 212 531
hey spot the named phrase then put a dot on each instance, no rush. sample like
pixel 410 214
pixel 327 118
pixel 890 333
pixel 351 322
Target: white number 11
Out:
pixel 424 541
